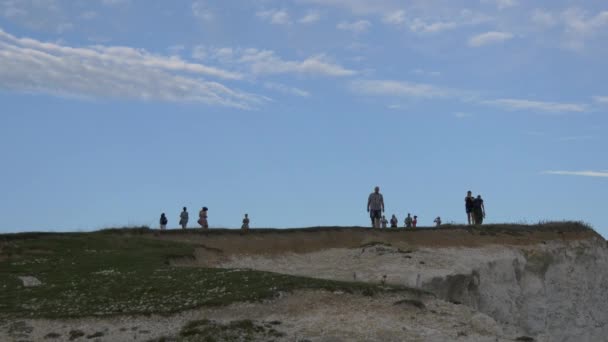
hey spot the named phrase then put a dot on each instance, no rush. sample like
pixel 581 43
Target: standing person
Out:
pixel 163 221
pixel 408 221
pixel 437 221
pixel 468 206
pixel 394 221
pixel 414 221
pixel 384 221
pixel 479 210
pixel 202 218
pixel 183 218
pixel 245 225
pixel 375 207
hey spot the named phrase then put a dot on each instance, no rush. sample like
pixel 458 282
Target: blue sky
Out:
pixel 114 111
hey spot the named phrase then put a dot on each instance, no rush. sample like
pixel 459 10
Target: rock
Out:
pixel 485 325
pixel 29 281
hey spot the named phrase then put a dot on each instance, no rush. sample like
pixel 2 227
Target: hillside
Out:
pixel 499 282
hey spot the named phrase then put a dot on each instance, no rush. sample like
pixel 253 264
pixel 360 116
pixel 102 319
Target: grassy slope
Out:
pixel 109 273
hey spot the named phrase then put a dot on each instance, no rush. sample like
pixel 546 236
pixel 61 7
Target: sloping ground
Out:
pixel 328 284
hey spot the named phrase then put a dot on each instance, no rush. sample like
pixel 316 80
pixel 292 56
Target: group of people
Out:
pixel 202 219
pixel 375 208
pixel 475 209
pixel 474 206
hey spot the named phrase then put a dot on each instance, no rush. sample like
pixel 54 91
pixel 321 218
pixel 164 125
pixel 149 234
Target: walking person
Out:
pixel 479 210
pixel 414 221
pixel 245 225
pixel 375 207
pixel 384 221
pixel 394 221
pixel 163 221
pixel 468 206
pixel 408 221
pixel 202 218
pixel 183 218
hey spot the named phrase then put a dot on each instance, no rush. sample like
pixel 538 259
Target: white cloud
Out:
pixel 310 17
pixel 358 6
pixel 394 18
pixel 502 4
pixel 112 72
pixel 274 16
pixel 282 88
pixel 398 89
pixel 519 104
pixel 543 18
pixel 601 99
pixel 577 21
pixel 355 27
pixel 489 38
pixel 266 62
pixel 39 15
pixel 419 25
pixel 578 173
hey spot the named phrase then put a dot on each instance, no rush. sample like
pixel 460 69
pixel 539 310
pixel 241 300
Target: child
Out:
pixel 163 221
pixel 414 221
pixel 437 221
pixel 202 218
pixel 384 221
pixel 394 221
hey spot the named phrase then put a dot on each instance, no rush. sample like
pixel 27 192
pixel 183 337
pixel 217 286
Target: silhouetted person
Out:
pixel 437 221
pixel 245 225
pixel 183 218
pixel 202 218
pixel 408 221
pixel 414 221
pixel 163 221
pixel 479 210
pixel 468 206
pixel 375 207
pixel 394 221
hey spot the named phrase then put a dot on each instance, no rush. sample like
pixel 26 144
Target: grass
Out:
pixel 106 273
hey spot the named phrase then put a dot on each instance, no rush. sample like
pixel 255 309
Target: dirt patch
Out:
pixel 219 244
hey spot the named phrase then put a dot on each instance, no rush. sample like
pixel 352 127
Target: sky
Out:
pixel 113 111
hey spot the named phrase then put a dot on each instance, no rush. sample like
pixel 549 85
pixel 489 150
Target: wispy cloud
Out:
pixel 115 72
pixel 285 89
pixel 355 27
pixel 201 11
pixel 489 38
pixel 578 173
pixel 275 16
pixel 502 4
pixel 601 99
pixel 394 18
pixel 310 17
pixel 398 89
pixel 521 104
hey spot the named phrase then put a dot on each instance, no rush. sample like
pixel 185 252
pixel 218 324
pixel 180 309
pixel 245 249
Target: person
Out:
pixel 468 206
pixel 408 221
pixel 245 225
pixel 384 221
pixel 414 221
pixel 183 218
pixel 479 211
pixel 375 207
pixel 437 221
pixel 202 218
pixel 163 221
pixel 394 221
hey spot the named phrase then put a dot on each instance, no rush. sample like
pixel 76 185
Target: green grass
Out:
pixel 102 274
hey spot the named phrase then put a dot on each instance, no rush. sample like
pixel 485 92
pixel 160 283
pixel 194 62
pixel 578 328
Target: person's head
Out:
pixel 184 208
pixel 415 216
pixel 205 209
pixel 163 214
pixel 246 215
pixel 478 196
pixel 408 214
pixel 377 189
pixel 383 216
pixel 469 193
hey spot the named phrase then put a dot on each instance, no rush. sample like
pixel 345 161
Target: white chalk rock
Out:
pixel 29 281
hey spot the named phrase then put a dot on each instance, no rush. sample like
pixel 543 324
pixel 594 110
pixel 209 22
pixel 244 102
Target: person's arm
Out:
pixel 382 202
pixel 483 210
pixel 369 201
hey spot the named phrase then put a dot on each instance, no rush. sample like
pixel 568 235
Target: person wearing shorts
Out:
pixel 375 207
pixel 468 206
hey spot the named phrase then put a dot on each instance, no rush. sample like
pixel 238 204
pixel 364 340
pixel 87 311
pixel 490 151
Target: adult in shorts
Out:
pixel 468 206
pixel 375 207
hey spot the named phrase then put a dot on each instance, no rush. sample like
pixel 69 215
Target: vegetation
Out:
pixel 109 273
